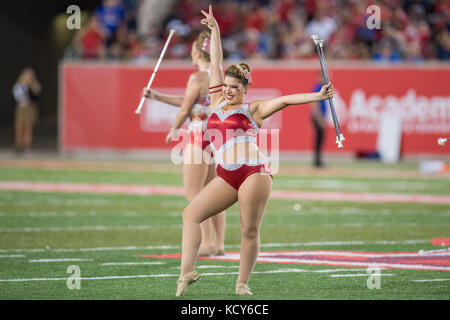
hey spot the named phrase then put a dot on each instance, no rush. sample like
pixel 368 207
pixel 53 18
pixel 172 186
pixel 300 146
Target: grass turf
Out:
pixel 64 225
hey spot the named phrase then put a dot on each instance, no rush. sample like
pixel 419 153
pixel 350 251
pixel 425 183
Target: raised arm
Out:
pixel 216 56
pixel 262 109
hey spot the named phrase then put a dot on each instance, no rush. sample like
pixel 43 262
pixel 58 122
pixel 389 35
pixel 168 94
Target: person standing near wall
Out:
pixel 319 122
pixel 26 91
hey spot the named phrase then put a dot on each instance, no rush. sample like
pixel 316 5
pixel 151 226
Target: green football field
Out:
pixel 47 237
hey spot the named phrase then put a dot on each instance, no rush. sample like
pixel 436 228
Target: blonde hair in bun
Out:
pixel 241 72
pixel 202 44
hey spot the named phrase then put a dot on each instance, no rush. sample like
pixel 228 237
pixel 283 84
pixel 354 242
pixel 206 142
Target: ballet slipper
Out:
pixel 205 252
pixel 184 282
pixel 243 289
pixel 219 252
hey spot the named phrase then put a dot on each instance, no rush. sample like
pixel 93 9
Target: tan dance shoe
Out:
pixel 243 289
pixel 184 282
pixel 205 252
pixel 219 252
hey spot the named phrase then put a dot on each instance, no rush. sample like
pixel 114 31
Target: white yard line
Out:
pixel 344 243
pixel 363 264
pixel 130 263
pixel 92 228
pixel 12 255
pixel 180 226
pixel 264 257
pixel 210 267
pixel 359 275
pixel 59 260
pixel 431 280
pixel 353 254
pixel 291 270
pixel 264 245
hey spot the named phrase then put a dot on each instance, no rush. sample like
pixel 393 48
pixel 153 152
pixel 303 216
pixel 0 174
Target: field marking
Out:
pixel 180 226
pixel 341 243
pixel 59 260
pixel 430 280
pixel 210 267
pixel 359 275
pixel 91 228
pixel 358 254
pixel 290 270
pixel 178 191
pixel 130 263
pixel 12 255
pixel 266 258
pixel 287 169
pixel 268 245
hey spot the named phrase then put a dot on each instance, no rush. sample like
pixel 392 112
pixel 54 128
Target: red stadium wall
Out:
pixel 98 101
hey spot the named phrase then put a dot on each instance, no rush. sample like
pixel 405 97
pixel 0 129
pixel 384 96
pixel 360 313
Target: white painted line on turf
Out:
pixel 209 267
pixel 367 264
pixel 268 245
pixel 290 270
pixel 91 228
pixel 430 280
pixel 335 270
pixel 180 226
pixel 343 243
pixel 136 276
pixel 353 254
pixel 12 255
pixel 93 249
pixel 264 257
pixel 32 279
pixel 58 260
pixel 130 263
pixel 358 275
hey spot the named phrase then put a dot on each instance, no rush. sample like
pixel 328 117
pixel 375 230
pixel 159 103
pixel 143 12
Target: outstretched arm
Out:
pixel 192 93
pixel 262 109
pixel 216 56
pixel 175 101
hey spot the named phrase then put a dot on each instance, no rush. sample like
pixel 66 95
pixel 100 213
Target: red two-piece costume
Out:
pixel 226 129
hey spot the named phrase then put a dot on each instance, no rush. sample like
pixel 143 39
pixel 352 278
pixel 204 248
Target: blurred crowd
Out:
pixel 410 30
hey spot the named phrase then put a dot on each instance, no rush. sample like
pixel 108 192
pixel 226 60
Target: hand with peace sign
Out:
pixel 216 56
pixel 209 19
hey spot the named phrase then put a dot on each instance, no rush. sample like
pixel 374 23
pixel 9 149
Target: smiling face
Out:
pixel 233 90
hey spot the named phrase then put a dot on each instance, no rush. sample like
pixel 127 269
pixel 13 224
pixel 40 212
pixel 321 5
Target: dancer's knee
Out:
pixel 189 215
pixel 250 233
pixel 190 195
pixel 186 215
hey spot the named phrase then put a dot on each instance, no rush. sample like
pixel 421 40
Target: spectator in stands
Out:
pixel 281 29
pixel 297 43
pixel 90 40
pixel 26 91
pixel 443 45
pixel 284 8
pixel 386 53
pixel 119 48
pixel 130 8
pixel 110 14
pixel 319 122
pixel 321 25
pixel 255 44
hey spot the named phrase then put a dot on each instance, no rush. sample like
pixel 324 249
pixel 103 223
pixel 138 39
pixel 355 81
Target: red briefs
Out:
pixel 236 177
